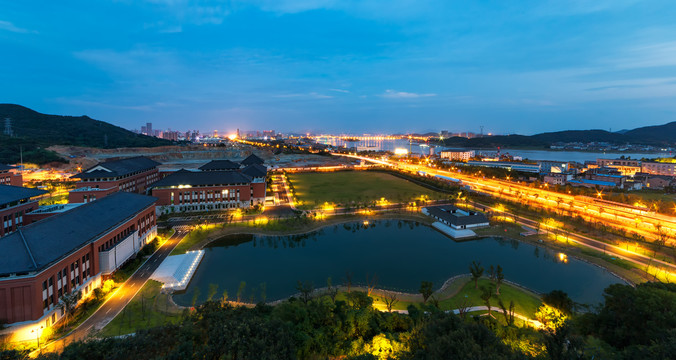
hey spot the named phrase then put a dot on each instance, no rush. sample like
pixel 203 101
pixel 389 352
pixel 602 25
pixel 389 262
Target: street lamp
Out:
pixel 37 332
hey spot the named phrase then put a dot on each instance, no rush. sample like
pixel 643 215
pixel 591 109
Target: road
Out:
pixel 607 214
pixel 119 299
pixel 628 218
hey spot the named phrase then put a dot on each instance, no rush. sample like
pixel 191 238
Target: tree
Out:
pixel 371 283
pixel 426 290
pixel 476 270
pixel 331 290
pixel 559 300
pixel 213 288
pixel 67 303
pixel 499 277
pixel 305 289
pixel 508 313
pixel 240 290
pixel 486 295
pixel 391 298
pixel 348 280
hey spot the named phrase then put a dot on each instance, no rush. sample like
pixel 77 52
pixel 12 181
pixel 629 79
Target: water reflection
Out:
pixel 400 256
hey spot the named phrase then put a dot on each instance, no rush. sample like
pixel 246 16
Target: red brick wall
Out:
pixel 21 298
pixel 119 184
pixel 25 208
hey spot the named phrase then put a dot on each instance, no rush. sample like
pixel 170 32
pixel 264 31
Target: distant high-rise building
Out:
pixel 149 129
pixel 144 130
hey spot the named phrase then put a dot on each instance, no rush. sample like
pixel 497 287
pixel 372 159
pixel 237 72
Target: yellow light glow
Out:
pixel 400 151
pixel 232 136
pixel 563 257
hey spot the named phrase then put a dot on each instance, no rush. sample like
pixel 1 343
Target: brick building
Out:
pixel 15 203
pixel 131 175
pixel 71 252
pixel 9 177
pixel 208 190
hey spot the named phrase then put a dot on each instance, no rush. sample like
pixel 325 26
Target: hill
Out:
pixel 647 135
pixel 34 132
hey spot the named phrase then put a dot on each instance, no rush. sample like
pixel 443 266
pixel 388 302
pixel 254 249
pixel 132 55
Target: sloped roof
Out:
pixel 202 178
pixel 4 167
pixel 118 168
pixel 40 244
pixel 9 193
pixel 252 159
pixel 220 165
pixel 255 170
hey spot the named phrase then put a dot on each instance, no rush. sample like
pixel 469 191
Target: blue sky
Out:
pixel 345 66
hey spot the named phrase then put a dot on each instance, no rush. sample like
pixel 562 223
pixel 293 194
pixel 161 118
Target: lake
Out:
pixel 400 253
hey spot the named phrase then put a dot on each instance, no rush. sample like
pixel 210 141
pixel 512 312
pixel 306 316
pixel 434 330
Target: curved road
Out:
pixel 115 303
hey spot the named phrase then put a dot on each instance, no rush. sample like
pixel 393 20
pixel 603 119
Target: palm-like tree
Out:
pixel 476 270
pixel 499 277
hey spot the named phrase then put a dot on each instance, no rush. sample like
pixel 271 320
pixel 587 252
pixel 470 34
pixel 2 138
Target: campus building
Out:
pixel 456 218
pixel 68 253
pixel 208 190
pixel 457 154
pixel 659 168
pixel 7 177
pixel 131 175
pixel 15 203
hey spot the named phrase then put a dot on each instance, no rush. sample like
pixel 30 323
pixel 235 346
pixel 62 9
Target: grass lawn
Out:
pixel 149 308
pixel 525 303
pixel 464 294
pixel 348 187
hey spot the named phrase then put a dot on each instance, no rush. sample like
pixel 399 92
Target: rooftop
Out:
pixel 56 208
pixel 456 216
pixel 118 168
pixel 220 165
pixel 38 245
pixel 4 167
pixel 255 170
pixel 202 178
pixel 10 194
pixel 252 159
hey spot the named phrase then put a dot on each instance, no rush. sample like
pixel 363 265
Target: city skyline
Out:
pixel 344 67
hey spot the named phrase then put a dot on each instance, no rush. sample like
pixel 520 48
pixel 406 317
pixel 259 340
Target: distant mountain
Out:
pixel 647 135
pixel 659 134
pixel 33 132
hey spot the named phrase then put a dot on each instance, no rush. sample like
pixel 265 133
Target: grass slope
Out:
pixel 346 187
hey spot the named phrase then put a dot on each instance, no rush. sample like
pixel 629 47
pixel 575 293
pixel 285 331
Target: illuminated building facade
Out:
pixel 70 252
pixel 15 203
pixel 8 177
pixel 131 175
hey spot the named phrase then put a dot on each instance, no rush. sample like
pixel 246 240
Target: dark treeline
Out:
pixel 633 323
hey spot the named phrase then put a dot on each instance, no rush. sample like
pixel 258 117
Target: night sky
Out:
pixel 344 66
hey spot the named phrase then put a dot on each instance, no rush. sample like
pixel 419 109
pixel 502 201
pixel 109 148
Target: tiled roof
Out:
pixel 118 168
pixel 40 244
pixel 252 159
pixel 220 165
pixel 202 178
pixel 255 170
pixel 9 193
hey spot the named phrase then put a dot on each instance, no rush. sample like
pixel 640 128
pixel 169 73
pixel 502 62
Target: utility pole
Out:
pixel 8 127
pixel 481 134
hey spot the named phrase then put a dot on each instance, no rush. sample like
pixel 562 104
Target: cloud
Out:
pixel 340 91
pixel 198 12
pixel 391 94
pixel 311 95
pixel 6 25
